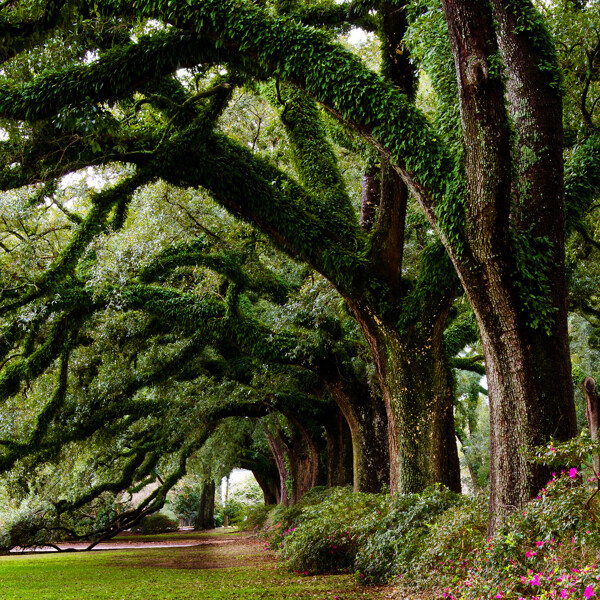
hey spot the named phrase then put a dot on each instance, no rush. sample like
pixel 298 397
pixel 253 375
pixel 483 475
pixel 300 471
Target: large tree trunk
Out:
pixel 206 508
pixel 339 449
pixel 416 384
pixel 303 455
pixel 368 429
pixel 365 414
pixel 270 486
pixel 514 200
pixel 278 450
pixel 530 378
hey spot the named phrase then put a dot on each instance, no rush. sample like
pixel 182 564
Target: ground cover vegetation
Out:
pixel 230 240
pixel 434 544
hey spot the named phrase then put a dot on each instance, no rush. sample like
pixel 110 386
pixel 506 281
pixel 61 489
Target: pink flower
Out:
pixel 530 553
pixel 564 594
pixel 589 591
pixel 498 595
pixel 535 580
pixel 539 544
pixel 572 472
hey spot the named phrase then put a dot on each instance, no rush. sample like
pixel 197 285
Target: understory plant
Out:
pixel 325 538
pixel 436 541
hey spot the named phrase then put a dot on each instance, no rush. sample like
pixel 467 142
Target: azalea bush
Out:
pixel 255 517
pixel 436 542
pixel 326 537
pixel 397 540
pixel 550 549
pixel 453 539
pixel 283 519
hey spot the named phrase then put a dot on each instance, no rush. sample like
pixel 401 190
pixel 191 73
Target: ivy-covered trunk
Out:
pixel 511 258
pixel 416 384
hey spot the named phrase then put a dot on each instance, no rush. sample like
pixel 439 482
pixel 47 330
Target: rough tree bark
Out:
pixel 528 367
pixel 206 508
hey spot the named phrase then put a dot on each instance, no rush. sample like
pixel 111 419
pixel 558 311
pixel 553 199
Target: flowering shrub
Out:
pixel 550 549
pixel 327 536
pixel 280 521
pixel 446 553
pixel 436 541
pixel 399 536
pixel 256 516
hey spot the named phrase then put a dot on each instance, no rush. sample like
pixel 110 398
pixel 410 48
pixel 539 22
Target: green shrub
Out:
pixel 400 535
pixel 446 552
pixel 155 523
pixel 279 522
pixel 185 500
pixel 554 540
pixel 255 517
pixel 326 537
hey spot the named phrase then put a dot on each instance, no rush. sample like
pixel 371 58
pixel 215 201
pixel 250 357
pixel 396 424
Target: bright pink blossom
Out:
pixel 535 580
pixel 572 472
pixel 589 591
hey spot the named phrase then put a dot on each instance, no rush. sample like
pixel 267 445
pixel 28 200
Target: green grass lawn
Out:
pixel 168 573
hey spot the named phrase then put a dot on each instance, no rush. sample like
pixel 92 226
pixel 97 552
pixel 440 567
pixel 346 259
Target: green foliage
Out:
pixel 374 535
pixel 446 551
pixel 439 540
pixel 327 536
pixel 551 545
pixel 25 527
pixel 255 517
pixel 156 523
pixel 534 261
pixel 234 510
pixel 185 500
pixel 394 548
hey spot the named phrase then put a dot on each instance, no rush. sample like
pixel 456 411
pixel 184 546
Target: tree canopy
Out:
pixel 434 191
